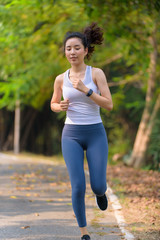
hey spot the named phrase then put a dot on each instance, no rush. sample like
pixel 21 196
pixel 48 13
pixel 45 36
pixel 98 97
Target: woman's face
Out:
pixel 75 51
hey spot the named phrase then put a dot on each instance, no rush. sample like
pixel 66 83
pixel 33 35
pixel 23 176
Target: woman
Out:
pixel 84 90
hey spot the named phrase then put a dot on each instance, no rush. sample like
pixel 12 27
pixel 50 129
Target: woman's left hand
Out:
pixel 79 85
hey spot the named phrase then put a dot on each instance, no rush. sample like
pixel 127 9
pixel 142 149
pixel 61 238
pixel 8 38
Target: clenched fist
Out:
pixel 79 85
pixel 64 105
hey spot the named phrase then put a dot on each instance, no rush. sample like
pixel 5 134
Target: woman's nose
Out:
pixel 72 51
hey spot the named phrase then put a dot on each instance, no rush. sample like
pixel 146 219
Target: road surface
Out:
pixel 35 203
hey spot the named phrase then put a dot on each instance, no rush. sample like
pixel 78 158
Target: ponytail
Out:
pixel 94 36
pixel 91 35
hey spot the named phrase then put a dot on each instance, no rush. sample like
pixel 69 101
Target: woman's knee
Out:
pixel 78 190
pixel 99 189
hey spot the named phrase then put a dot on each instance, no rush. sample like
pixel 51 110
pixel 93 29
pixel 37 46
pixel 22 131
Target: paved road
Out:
pixel 35 203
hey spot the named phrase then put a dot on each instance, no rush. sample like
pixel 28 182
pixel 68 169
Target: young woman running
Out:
pixel 84 90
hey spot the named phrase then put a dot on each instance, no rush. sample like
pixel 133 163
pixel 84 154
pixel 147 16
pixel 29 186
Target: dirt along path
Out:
pixel 35 203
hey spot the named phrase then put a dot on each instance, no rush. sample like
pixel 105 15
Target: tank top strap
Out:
pixel 88 75
pixel 66 83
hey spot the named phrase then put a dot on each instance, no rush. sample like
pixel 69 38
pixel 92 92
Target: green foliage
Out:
pixel 31 33
pixel 31 49
pixel 119 142
pixel 31 37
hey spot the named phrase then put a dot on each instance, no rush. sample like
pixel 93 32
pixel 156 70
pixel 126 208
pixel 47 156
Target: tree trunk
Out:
pixel 3 127
pixel 17 128
pixel 9 142
pixel 28 128
pixel 146 138
pixel 138 156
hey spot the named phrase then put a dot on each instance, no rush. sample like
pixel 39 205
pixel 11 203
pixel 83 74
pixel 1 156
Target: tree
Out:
pixel 31 39
pixel 138 157
pixel 31 34
pixel 134 27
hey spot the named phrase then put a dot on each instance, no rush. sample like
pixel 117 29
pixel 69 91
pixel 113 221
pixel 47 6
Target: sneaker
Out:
pixel 85 237
pixel 102 202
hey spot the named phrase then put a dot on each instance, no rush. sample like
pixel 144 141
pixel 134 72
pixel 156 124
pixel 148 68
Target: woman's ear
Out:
pixel 86 51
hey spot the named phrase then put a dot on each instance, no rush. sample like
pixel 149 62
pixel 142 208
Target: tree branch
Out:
pixel 109 60
pixel 134 78
pixel 39 25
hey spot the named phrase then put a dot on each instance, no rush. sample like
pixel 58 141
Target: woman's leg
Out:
pixel 74 157
pixel 97 155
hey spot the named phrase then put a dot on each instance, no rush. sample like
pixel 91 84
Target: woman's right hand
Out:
pixel 64 105
pixel 56 104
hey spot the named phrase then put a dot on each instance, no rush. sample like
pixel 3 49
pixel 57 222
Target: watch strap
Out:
pixel 89 93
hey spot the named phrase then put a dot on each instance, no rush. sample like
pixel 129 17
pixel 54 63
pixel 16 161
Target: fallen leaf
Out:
pixel 36 195
pixel 51 179
pixel 50 169
pixel 53 184
pixel 14 197
pixel 28 194
pixel 60 200
pixel 61 190
pixel 25 227
pixel 50 200
pixel 69 204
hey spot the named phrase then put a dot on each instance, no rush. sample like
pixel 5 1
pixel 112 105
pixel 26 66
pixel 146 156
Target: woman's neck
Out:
pixel 78 68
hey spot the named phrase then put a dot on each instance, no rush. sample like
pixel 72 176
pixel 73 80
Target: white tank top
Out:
pixel 82 110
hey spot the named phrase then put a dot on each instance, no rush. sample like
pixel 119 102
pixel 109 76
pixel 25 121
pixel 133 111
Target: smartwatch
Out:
pixel 89 93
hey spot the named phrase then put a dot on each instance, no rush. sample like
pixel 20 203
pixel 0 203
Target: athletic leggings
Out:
pixel 93 139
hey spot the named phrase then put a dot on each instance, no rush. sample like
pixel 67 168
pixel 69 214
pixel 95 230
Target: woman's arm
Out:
pixel 56 104
pixel 105 99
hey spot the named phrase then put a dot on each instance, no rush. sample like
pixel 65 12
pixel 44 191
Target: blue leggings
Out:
pixel 93 139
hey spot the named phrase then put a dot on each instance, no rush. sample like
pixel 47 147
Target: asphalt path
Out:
pixel 35 203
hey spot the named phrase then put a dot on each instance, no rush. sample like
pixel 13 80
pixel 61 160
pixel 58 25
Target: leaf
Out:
pixel 69 204
pixel 60 200
pixel 36 195
pixel 50 169
pixel 14 197
pixel 50 200
pixel 61 190
pixel 28 194
pixel 25 227
pixel 53 184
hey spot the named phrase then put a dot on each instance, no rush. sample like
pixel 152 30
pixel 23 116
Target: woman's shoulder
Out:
pixel 96 70
pixel 59 78
pixel 97 74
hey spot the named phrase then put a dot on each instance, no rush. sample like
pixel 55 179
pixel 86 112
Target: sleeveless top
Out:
pixel 81 110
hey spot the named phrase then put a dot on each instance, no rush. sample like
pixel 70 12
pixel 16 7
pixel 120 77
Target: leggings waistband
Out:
pixel 89 127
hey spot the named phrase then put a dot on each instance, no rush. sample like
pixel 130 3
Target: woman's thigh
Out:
pixel 73 154
pixel 97 155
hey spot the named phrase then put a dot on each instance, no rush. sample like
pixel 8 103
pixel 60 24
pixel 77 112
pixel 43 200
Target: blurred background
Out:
pixel 31 56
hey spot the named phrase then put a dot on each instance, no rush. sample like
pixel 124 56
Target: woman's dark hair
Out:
pixel 91 35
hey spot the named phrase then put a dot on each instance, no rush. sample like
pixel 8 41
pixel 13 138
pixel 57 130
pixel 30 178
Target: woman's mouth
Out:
pixel 73 58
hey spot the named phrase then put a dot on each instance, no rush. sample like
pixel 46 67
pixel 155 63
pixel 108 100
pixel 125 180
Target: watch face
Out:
pixel 89 93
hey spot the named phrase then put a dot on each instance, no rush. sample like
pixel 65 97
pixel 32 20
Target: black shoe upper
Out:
pixel 102 202
pixel 85 237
